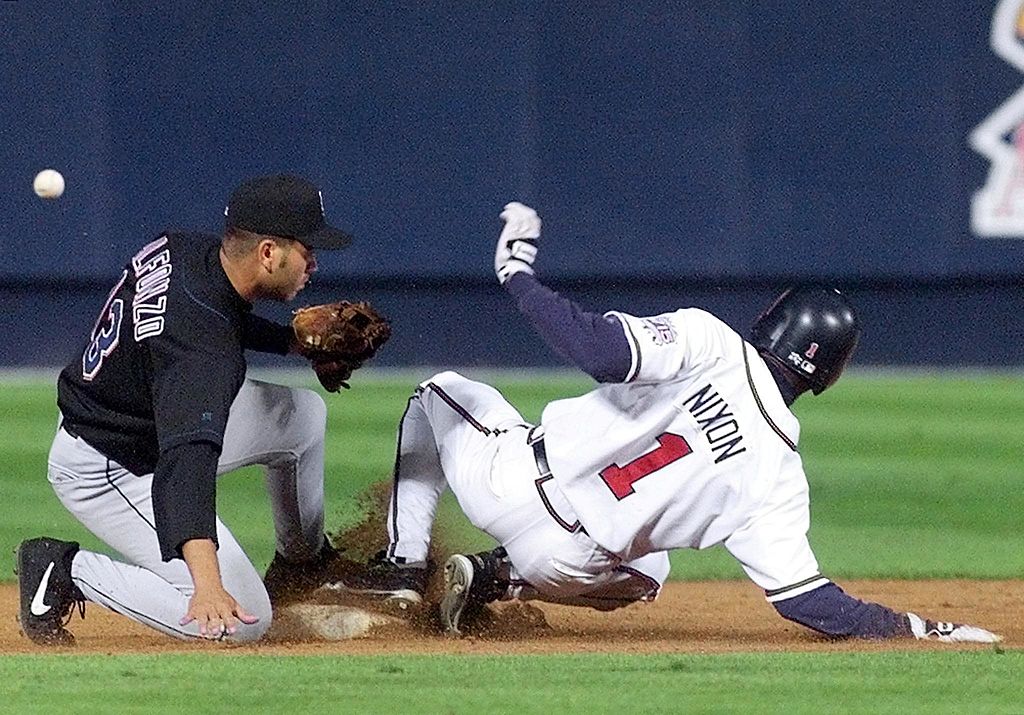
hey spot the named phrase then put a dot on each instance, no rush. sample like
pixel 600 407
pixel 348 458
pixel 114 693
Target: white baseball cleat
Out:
pixel 471 581
pixel 458 580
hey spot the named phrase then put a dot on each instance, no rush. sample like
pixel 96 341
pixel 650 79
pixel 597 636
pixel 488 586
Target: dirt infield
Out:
pixel 710 617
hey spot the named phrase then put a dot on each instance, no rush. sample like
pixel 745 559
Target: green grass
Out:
pixel 926 467
pixel 911 476
pixel 953 682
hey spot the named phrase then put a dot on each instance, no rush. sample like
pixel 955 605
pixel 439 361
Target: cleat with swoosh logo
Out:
pixel 48 595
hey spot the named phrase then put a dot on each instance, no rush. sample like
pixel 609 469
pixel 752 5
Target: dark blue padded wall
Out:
pixel 407 120
pixel 666 144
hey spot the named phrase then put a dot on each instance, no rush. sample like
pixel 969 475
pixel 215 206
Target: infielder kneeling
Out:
pixel 687 443
pixel 158 406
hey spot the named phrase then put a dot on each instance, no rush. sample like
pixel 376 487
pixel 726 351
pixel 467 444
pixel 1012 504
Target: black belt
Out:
pixel 540 456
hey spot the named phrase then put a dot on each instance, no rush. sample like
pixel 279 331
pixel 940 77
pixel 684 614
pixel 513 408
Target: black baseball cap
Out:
pixel 283 205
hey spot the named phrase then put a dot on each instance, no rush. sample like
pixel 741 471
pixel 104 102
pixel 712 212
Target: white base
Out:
pixel 311 621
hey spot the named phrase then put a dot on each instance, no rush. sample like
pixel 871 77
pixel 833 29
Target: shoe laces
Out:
pixel 75 603
pixel 489 583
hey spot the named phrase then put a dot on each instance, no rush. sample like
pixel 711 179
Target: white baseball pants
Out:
pixel 279 427
pixel 465 435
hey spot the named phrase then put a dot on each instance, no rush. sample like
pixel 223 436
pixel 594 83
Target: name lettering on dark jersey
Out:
pixel 716 420
pixel 152 279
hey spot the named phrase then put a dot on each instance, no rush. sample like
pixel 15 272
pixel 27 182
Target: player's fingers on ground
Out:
pixel 195 613
pixel 203 620
pixel 211 630
pixel 215 624
pixel 244 616
pixel 222 619
pixel 208 618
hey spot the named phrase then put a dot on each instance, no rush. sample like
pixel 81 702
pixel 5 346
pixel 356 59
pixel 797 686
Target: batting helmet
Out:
pixel 811 332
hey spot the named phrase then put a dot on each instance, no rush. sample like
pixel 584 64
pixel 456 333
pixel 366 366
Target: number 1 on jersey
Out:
pixel 620 479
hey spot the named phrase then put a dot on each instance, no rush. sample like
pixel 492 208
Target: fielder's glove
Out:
pixel 333 374
pixel 337 338
pixel 517 244
pixel 923 629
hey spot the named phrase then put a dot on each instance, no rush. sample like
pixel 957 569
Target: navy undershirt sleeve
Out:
pixel 192 396
pixel 593 343
pixel 265 336
pixel 829 610
pixel 184 496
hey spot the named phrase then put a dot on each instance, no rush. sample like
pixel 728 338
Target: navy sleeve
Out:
pixel 265 336
pixel 593 343
pixel 829 610
pixel 192 394
pixel 184 496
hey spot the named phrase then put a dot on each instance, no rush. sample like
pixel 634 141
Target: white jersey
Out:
pixel 696 448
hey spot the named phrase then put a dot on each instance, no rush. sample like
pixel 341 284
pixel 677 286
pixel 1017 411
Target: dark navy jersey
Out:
pixel 162 365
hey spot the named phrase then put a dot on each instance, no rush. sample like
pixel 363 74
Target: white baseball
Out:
pixel 48 184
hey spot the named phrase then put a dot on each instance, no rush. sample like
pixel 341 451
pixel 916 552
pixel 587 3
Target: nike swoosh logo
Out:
pixel 39 607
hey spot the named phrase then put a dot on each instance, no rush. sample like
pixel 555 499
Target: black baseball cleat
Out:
pixel 48 594
pixel 471 581
pixel 396 584
pixel 288 581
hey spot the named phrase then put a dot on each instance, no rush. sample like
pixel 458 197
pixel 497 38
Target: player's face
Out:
pixel 295 264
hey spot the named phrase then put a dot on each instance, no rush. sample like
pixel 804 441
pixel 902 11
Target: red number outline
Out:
pixel 671 447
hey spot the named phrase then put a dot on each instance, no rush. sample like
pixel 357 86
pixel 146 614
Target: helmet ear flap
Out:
pixel 838 368
pixel 811 332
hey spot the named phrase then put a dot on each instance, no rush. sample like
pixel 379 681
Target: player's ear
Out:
pixel 266 252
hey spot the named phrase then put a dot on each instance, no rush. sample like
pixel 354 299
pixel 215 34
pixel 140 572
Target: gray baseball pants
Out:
pixel 281 428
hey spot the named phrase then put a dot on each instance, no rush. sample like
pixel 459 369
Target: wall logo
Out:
pixel 997 209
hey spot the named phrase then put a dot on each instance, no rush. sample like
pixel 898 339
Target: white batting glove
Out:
pixel 924 629
pixel 517 244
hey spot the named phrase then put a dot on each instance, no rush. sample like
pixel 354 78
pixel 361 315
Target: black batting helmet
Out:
pixel 811 332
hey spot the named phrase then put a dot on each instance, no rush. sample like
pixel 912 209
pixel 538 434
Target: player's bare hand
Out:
pixel 517 244
pixel 217 613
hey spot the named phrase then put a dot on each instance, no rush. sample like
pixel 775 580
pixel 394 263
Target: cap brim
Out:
pixel 327 237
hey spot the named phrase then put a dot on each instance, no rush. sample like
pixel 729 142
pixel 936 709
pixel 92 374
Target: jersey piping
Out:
pixel 796 589
pixel 760 406
pixel 636 357
pixel 196 300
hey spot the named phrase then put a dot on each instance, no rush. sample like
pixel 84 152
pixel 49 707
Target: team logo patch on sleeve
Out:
pixel 660 330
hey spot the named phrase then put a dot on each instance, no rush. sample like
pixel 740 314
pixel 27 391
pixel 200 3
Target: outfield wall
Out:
pixel 681 152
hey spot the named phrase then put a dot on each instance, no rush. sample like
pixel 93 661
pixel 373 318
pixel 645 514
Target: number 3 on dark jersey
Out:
pixel 620 479
pixel 105 333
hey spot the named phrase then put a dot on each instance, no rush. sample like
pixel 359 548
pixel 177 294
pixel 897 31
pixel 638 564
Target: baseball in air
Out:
pixel 48 184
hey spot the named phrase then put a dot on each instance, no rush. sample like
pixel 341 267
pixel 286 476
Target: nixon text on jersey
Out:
pixel 717 422
pixel 152 279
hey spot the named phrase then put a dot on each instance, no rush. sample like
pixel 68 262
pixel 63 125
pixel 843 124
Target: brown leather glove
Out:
pixel 333 374
pixel 338 338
